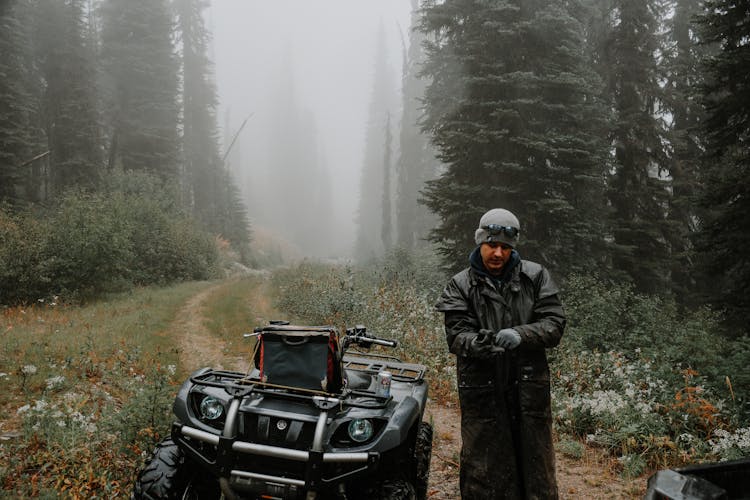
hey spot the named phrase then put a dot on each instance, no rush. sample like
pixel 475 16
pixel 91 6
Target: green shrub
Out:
pixel 386 297
pixel 87 248
pixel 21 238
pixel 90 243
pixel 653 384
pixel 571 448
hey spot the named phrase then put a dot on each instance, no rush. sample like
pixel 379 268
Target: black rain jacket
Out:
pixel 506 421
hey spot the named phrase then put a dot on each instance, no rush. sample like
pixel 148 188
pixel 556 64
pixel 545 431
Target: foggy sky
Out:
pixel 330 45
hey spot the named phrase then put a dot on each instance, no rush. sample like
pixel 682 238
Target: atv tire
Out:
pixel 422 456
pixel 396 489
pixel 164 476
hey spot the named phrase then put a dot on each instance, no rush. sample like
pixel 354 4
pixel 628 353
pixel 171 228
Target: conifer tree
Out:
pixel 369 242
pixel 416 162
pixel 387 227
pixel 210 188
pixel 200 135
pixel 202 162
pixel 638 188
pixel 292 195
pixel 16 103
pixel 141 82
pixel 515 114
pixel 683 78
pixel 70 117
pixel 723 236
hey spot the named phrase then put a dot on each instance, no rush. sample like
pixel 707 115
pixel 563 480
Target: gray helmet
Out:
pixel 498 225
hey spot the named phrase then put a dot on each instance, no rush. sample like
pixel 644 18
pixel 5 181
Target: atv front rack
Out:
pixel 227 445
pixel 311 469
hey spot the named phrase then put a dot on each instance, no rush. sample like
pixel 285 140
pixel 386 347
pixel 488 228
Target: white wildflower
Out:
pixel 54 382
pixel 739 439
pixel 686 438
pixel 28 370
pixel 602 402
pixel 23 409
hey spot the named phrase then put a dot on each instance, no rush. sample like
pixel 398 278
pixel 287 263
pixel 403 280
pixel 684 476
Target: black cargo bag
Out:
pixel 300 357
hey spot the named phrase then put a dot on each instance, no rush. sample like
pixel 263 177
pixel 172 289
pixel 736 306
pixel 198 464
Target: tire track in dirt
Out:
pixel 198 346
pixel 446 445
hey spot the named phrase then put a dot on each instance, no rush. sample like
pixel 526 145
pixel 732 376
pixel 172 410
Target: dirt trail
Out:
pixel 586 477
pixel 198 347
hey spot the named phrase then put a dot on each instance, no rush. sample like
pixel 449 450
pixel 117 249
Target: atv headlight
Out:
pixel 360 429
pixel 211 408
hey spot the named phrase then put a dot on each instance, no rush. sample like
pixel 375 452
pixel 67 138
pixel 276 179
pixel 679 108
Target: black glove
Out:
pixel 507 338
pixel 481 345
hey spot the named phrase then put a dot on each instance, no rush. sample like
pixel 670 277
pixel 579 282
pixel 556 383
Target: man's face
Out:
pixel 495 255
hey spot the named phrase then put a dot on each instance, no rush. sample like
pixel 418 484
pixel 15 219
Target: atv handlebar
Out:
pixel 358 335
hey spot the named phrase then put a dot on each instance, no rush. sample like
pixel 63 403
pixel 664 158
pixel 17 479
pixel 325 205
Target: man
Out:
pixel 501 313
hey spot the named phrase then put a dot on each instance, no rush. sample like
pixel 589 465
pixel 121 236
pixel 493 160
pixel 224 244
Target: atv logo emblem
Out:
pixel 281 425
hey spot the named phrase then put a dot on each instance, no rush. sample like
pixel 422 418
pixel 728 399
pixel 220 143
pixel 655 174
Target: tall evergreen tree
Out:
pixel 387 227
pixel 142 83
pixel 369 242
pixel 416 162
pixel 210 189
pixel 681 103
pixel 298 188
pixel 311 222
pixel 16 112
pixel 724 233
pixel 200 135
pixel 515 114
pixel 638 189
pixel 232 220
pixel 70 104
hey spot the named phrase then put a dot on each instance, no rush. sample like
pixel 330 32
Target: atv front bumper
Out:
pixel 222 456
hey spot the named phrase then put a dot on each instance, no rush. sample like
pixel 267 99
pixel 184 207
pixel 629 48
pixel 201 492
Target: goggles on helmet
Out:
pixel 497 230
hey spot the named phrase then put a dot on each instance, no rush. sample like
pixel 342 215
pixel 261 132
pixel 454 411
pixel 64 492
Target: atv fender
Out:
pixel 404 418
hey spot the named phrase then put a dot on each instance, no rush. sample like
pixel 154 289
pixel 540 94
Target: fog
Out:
pixel 302 71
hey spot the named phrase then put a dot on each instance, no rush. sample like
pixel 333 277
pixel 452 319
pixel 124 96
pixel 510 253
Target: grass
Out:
pixel 237 307
pixel 229 311
pixel 87 390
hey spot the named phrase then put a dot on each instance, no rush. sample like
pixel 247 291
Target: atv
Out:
pixel 312 419
pixel 716 481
